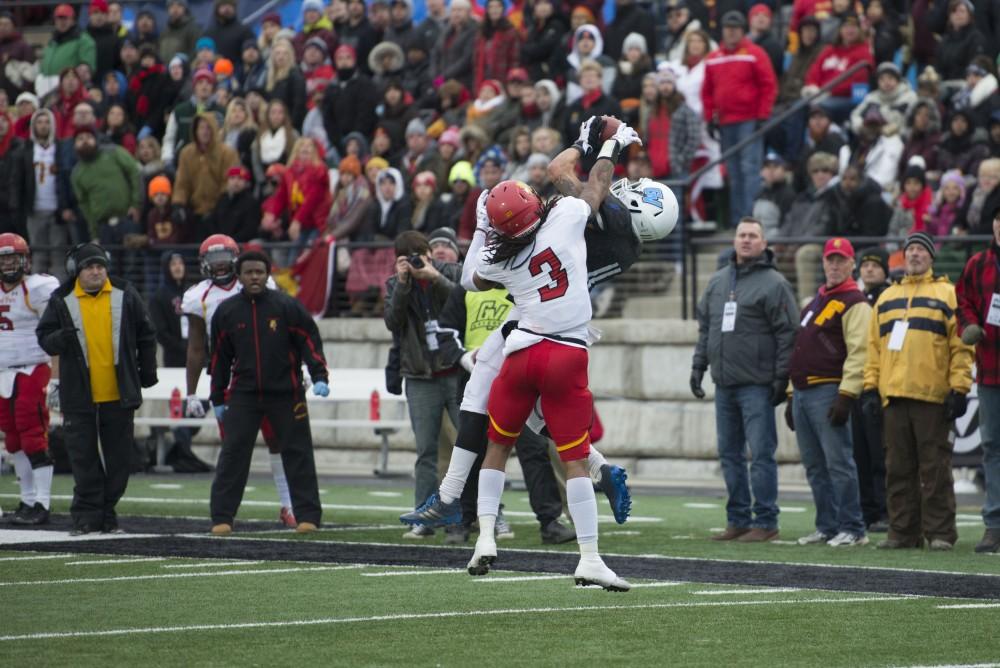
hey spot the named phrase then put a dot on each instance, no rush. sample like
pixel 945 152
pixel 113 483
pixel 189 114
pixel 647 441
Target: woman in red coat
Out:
pixel 304 192
pixel 70 93
pixel 851 47
pixel 498 45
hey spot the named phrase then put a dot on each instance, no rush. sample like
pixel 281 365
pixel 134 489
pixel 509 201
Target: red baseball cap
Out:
pixel 760 8
pixel 64 10
pixel 838 246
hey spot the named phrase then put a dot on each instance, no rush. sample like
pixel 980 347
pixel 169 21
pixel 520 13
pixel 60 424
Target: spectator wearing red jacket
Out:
pixel 304 192
pixel 851 47
pixel 978 317
pixel 737 94
pixel 498 46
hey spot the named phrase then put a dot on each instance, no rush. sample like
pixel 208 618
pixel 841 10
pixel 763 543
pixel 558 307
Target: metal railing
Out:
pixel 805 271
pixel 684 184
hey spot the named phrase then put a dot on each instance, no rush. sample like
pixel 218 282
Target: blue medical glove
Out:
pixel 321 389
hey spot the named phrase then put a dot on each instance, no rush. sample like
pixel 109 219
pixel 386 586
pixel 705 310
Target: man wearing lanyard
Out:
pixel 978 293
pixel 826 372
pixel 747 319
pixel 918 371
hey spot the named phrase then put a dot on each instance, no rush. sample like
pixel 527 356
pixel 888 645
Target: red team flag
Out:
pixel 314 270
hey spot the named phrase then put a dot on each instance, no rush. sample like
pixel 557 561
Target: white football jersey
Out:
pixel 548 279
pixel 202 299
pixel 20 310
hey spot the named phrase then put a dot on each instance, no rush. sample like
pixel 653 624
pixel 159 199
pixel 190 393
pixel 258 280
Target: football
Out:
pixel 611 125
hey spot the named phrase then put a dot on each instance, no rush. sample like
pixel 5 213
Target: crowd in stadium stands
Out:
pixel 361 125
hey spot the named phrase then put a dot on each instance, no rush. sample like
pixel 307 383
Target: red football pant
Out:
pixel 24 417
pixel 558 374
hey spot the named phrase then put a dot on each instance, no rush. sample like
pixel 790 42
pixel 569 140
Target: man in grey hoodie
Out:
pixel 746 333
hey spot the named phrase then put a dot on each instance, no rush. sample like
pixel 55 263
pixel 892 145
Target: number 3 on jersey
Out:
pixel 560 281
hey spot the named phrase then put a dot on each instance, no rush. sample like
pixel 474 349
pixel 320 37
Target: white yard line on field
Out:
pixel 210 564
pixel 441 571
pixel 126 560
pixel 437 615
pixel 328 506
pixel 968 606
pixel 728 592
pixel 36 557
pixel 168 576
pixel 522 578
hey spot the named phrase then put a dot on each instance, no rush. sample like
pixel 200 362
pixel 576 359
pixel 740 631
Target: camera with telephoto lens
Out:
pixel 416 261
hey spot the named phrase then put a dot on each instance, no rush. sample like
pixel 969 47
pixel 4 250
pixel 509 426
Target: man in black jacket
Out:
pixel 16 181
pixel 228 31
pixel 261 339
pixel 349 103
pixel 99 383
pixel 237 213
pixel 165 310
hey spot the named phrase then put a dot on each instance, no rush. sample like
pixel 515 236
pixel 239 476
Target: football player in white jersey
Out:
pixel 217 256
pixel 633 213
pixel 25 378
pixel 539 254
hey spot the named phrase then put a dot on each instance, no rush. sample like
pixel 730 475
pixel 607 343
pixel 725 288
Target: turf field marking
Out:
pixel 977 523
pixel 442 571
pixel 207 564
pixel 702 506
pixel 166 576
pixel 968 516
pixel 386 495
pixel 728 592
pixel 166 485
pixel 127 560
pixel 523 578
pixel 327 506
pixel 968 606
pixel 658 584
pixel 793 509
pixel 441 615
pixel 249 488
pixel 40 556
pixel 623 532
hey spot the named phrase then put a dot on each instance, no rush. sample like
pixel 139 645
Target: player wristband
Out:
pixel 610 150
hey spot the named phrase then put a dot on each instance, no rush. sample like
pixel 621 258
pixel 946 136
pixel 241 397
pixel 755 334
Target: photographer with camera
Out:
pixel 414 297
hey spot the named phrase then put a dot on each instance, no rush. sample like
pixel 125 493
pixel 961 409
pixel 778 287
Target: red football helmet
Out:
pixel 514 209
pixel 14 245
pixel 218 255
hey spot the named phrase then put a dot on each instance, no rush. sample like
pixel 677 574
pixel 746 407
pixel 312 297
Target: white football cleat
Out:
pixel 484 555
pixel 592 571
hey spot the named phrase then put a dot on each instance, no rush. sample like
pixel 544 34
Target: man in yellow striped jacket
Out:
pixel 918 371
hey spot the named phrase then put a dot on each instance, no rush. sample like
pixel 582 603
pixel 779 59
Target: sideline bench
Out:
pixel 345 385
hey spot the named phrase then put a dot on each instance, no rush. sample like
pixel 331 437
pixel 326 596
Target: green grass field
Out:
pixel 81 609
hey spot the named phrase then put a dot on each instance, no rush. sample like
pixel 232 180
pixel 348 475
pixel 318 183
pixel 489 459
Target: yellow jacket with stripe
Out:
pixel 933 360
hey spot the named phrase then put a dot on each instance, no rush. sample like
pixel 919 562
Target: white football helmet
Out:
pixel 652 205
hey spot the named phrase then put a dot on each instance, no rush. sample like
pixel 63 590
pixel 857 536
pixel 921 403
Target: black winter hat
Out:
pixel 875 254
pixel 922 239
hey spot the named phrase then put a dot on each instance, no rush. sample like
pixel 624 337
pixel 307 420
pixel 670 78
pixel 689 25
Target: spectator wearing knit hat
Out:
pixel 181 33
pixel 144 32
pixel 587 45
pixel 671 130
pixel 178 131
pixel 979 95
pixel 227 30
pixel 237 213
pixel 760 17
pixel 420 155
pixel 349 103
pixel 159 225
pixel 877 148
pixel 106 40
pixel 317 68
pixel 948 203
pixel 452 55
pixel 866 430
pixel 633 66
pixel 350 205
pixel 962 148
pixel 922 134
pixel 918 373
pixel 961 42
pixel 358 33
pixel 315 25
pixel 428 212
pixel 893 96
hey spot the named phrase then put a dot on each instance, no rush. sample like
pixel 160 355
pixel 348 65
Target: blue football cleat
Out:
pixel 434 513
pixel 614 487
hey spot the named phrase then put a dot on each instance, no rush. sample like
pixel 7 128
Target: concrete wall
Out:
pixel 638 371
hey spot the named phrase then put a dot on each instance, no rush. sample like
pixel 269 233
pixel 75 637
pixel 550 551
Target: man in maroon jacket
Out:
pixel 738 93
pixel 978 292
